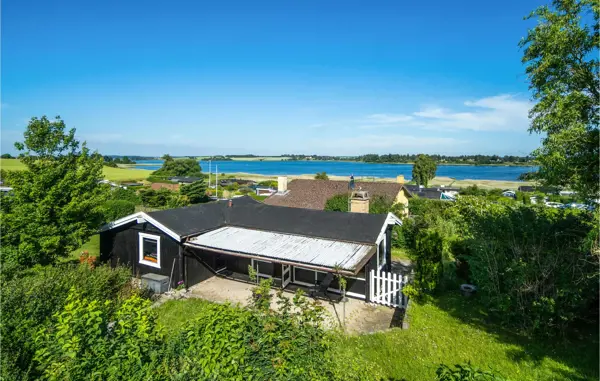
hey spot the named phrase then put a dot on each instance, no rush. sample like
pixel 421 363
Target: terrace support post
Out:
pixel 181 264
pixel 388 248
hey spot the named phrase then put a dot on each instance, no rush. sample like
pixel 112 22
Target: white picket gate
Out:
pixel 386 288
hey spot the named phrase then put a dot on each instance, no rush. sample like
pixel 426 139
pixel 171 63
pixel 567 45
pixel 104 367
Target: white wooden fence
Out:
pixel 386 288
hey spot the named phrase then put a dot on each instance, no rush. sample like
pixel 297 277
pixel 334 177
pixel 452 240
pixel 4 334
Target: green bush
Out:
pixel 337 203
pixel 156 198
pixel 465 372
pixel 92 339
pixel 195 192
pixel 125 194
pixel 115 209
pixel 536 268
pixel 29 301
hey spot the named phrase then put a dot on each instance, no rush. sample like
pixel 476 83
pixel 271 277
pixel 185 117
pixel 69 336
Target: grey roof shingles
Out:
pixel 248 213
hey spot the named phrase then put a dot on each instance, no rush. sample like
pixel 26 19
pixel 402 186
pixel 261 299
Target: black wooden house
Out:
pixel 223 238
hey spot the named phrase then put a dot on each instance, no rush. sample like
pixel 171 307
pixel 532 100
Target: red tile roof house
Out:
pixel 313 194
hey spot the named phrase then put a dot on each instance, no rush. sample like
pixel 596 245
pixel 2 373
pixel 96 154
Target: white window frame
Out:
pixel 141 249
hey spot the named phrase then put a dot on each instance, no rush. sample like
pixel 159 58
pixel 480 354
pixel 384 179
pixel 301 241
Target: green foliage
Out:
pixel 268 183
pixel 156 198
pixel 473 190
pixel 92 340
pixel 321 176
pixel 195 192
pixel 115 209
pixel 167 157
pixel 423 170
pixel 32 298
pixel 535 267
pixel 561 58
pixel 57 203
pixel 182 167
pixel 380 205
pixel 6 156
pixel 337 203
pixel 123 160
pixel 111 164
pixel 465 372
pixel 125 194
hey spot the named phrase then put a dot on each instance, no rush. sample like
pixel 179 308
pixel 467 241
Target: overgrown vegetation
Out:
pixel 536 268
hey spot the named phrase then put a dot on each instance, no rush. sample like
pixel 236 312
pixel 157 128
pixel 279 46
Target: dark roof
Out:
pixel 527 188
pixel 415 190
pixel 248 213
pixel 185 179
pixel 313 194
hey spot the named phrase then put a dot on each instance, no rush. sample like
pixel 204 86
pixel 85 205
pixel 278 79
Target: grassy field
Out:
pixel 400 254
pixel 92 246
pixel 114 174
pixel 449 330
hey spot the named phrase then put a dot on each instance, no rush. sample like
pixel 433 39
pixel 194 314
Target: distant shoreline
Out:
pixel 353 161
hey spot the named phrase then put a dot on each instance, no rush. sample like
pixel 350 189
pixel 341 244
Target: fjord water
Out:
pixel 345 168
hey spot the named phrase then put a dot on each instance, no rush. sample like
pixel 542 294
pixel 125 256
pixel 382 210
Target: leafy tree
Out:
pixel 115 209
pixel 195 192
pixel 380 205
pixel 6 156
pixel 156 198
pixel 167 157
pixel 183 167
pixel 423 170
pixel 561 58
pixel 337 203
pixel 321 176
pixel 56 204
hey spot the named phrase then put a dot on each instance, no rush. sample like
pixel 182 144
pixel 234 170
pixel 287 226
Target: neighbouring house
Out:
pixel 112 184
pixel 223 238
pixel 171 187
pixel 527 188
pixel 509 193
pixel 185 179
pixel 313 194
pixel 132 184
pixel 265 191
pixel 440 193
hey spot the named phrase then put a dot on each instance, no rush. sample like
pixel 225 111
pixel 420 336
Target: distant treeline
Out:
pixel 463 159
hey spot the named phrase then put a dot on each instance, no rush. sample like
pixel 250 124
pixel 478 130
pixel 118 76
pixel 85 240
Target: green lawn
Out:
pixel 92 246
pixel 453 330
pixel 114 174
pixel 449 330
pixel 400 254
pixel 173 314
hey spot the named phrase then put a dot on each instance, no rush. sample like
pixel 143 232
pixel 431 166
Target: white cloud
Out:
pixel 496 113
pixel 389 118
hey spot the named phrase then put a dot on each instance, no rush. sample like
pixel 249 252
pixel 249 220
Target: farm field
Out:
pixel 114 174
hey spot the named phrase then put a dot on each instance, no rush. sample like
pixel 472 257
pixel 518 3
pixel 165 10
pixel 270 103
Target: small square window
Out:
pixel 149 250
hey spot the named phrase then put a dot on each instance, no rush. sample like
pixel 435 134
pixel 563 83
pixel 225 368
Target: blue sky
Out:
pixel 270 77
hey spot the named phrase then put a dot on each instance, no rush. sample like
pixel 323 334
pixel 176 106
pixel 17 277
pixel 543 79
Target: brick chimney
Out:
pixel 359 202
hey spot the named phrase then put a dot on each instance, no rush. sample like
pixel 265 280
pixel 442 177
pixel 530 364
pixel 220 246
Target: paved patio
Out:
pixel 361 317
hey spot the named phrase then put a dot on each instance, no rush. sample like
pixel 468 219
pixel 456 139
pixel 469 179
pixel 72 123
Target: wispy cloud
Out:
pixel 496 113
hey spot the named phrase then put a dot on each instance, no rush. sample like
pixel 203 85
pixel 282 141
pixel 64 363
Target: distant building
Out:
pixel 185 179
pixel 313 194
pixel 439 193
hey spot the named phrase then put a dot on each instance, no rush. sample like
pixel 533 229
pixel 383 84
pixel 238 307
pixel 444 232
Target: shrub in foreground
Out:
pixel 29 300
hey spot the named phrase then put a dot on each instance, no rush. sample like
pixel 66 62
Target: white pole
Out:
pixel 217 181
pixel 209 174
